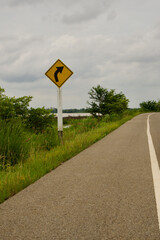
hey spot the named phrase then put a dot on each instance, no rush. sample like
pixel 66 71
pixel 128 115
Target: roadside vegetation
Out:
pixel 29 144
pixel 150 106
pixel 103 101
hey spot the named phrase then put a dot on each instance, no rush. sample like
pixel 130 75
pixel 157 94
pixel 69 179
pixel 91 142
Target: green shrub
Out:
pixel 115 117
pixel 150 106
pixel 84 125
pixel 21 175
pixel 39 119
pixel 11 107
pixel 46 140
pixel 106 118
pixel 104 101
pixel 14 145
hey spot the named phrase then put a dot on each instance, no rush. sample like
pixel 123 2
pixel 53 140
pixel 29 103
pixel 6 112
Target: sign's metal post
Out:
pixel 60 116
pixel 59 73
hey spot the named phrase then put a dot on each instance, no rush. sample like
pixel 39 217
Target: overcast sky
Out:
pixel 114 43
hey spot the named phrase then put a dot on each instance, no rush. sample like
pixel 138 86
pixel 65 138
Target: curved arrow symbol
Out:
pixel 59 70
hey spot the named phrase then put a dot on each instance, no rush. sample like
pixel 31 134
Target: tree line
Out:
pixel 150 106
pixel 36 119
pixel 101 102
pixel 23 128
pixel 70 110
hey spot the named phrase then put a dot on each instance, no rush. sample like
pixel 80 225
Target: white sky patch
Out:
pixel 111 43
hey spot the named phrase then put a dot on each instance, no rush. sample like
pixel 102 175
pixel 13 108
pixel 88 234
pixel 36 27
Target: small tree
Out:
pixel 105 102
pixel 1 92
pixel 7 110
pixel 11 107
pixel 150 106
pixel 39 119
pixel 21 106
pixel 158 106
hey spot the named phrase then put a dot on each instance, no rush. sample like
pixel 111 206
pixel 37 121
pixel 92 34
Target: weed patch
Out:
pixel 14 143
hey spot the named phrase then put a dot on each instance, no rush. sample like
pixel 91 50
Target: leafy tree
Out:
pixel 14 144
pixel 21 106
pixel 149 106
pixel 1 92
pixel 13 107
pixel 103 101
pixel 39 119
pixel 6 106
pixel 158 106
pixel 10 108
pixel 74 110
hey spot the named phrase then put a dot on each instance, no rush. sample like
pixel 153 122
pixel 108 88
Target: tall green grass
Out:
pixel 41 162
pixel 14 143
pixel 46 140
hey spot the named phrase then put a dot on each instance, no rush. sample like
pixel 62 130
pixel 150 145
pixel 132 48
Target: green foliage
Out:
pixel 79 126
pixel 13 107
pixel 50 139
pixel 14 145
pixel 105 102
pixel 151 106
pixel 106 118
pixel 158 106
pixel 6 106
pixel 14 115
pixel 74 110
pixel 85 125
pixel 46 140
pixel 1 92
pixel 7 110
pixel 115 117
pixel 71 110
pixel 21 106
pixel 15 179
pixel 39 119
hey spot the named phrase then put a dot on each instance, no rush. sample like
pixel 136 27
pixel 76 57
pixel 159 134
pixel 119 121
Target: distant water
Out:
pixel 75 114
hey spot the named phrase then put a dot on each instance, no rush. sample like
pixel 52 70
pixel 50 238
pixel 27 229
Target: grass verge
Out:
pixel 16 178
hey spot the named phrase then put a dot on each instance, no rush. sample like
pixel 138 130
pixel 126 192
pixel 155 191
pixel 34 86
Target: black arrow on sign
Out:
pixel 59 70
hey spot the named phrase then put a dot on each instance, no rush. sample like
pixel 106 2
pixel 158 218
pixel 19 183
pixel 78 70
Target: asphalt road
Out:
pixel 104 193
pixel 155 131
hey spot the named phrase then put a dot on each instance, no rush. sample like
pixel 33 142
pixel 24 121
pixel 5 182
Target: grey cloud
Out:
pixel 145 50
pixel 112 61
pixel 97 53
pixel 145 58
pixel 19 78
pixel 21 59
pixel 155 32
pixel 112 15
pixel 14 3
pixel 87 10
pixel 92 57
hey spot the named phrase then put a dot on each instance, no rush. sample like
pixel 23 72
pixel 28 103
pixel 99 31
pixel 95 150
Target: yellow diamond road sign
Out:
pixel 58 73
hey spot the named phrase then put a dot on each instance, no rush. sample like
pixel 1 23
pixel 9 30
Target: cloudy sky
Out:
pixel 114 43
